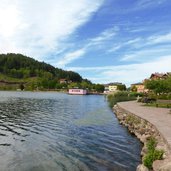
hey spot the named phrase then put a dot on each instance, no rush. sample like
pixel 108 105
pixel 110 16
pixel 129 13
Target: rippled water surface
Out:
pixel 60 132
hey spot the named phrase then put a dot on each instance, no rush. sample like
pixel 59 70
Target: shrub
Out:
pixel 158 154
pixel 148 160
pixel 169 96
pixel 152 153
pixel 151 144
pixel 119 96
pixel 136 94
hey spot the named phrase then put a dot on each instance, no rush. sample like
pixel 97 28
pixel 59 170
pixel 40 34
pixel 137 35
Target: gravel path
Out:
pixel 159 117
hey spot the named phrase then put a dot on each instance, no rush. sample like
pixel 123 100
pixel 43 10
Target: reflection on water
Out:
pixel 52 131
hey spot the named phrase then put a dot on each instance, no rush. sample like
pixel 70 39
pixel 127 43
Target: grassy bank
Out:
pixel 120 96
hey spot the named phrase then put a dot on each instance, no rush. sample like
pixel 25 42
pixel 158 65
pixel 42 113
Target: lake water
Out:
pixel 49 131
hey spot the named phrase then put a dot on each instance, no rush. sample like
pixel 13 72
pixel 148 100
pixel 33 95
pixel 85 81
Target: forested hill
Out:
pixel 20 68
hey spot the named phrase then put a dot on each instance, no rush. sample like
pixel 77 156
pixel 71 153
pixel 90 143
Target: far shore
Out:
pixel 51 90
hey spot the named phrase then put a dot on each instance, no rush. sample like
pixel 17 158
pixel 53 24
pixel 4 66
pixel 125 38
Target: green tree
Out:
pixel 74 85
pixel 99 88
pixel 121 87
pixel 134 88
pixel 159 86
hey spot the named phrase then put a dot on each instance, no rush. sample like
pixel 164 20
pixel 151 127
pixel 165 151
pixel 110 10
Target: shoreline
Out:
pixel 54 91
pixel 143 129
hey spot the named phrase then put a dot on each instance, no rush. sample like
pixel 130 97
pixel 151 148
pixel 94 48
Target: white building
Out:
pixel 112 88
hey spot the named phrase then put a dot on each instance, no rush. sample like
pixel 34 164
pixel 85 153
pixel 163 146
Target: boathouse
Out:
pixel 77 91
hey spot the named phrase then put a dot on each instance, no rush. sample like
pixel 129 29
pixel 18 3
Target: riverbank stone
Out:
pixel 144 130
pixel 141 167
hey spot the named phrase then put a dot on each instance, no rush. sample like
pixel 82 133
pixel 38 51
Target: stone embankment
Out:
pixel 147 122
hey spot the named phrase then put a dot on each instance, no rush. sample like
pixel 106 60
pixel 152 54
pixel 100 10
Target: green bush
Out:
pixel 148 160
pixel 136 94
pixel 151 144
pixel 152 153
pixel 151 156
pixel 119 96
pixel 163 96
pixel 169 96
pixel 158 154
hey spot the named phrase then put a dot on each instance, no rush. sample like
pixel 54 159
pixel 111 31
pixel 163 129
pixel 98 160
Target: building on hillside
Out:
pixel 61 81
pixel 140 87
pixel 159 76
pixel 76 91
pixel 112 88
pixel 106 89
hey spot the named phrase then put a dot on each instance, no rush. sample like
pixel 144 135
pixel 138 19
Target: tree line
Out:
pixel 20 66
pixel 40 75
pixel 160 87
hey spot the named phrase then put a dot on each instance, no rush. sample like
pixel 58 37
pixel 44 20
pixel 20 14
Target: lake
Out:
pixel 49 131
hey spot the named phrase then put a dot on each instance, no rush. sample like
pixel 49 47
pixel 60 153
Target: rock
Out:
pixel 124 115
pixel 143 138
pixel 164 155
pixel 141 167
pixel 144 151
pixel 142 131
pixel 162 165
pixel 157 164
pixel 166 167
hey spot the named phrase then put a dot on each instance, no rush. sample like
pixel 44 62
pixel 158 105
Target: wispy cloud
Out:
pixel 127 73
pixel 130 42
pixel 166 38
pixel 25 29
pixel 115 48
pixel 148 3
pixel 89 45
pixel 146 54
pixel 69 57
pixel 150 47
pixel 104 36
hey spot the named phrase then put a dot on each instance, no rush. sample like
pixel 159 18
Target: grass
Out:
pixel 152 154
pixel 159 105
pixel 10 79
pixel 119 97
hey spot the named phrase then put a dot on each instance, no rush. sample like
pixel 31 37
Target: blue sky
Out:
pixel 103 40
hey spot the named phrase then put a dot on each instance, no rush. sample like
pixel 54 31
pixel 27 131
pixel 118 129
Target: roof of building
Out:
pixel 160 75
pixel 137 83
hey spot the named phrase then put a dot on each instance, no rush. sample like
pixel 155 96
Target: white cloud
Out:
pixel 146 4
pixel 9 21
pixel 68 58
pixel 147 54
pixel 115 48
pixel 131 42
pixel 139 55
pixel 38 27
pixel 160 39
pixel 89 45
pixel 127 73
pixel 104 36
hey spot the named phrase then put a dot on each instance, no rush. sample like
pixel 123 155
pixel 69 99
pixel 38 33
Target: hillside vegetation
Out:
pixel 19 71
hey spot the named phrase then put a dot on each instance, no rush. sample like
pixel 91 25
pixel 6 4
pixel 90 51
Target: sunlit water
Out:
pixel 60 132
